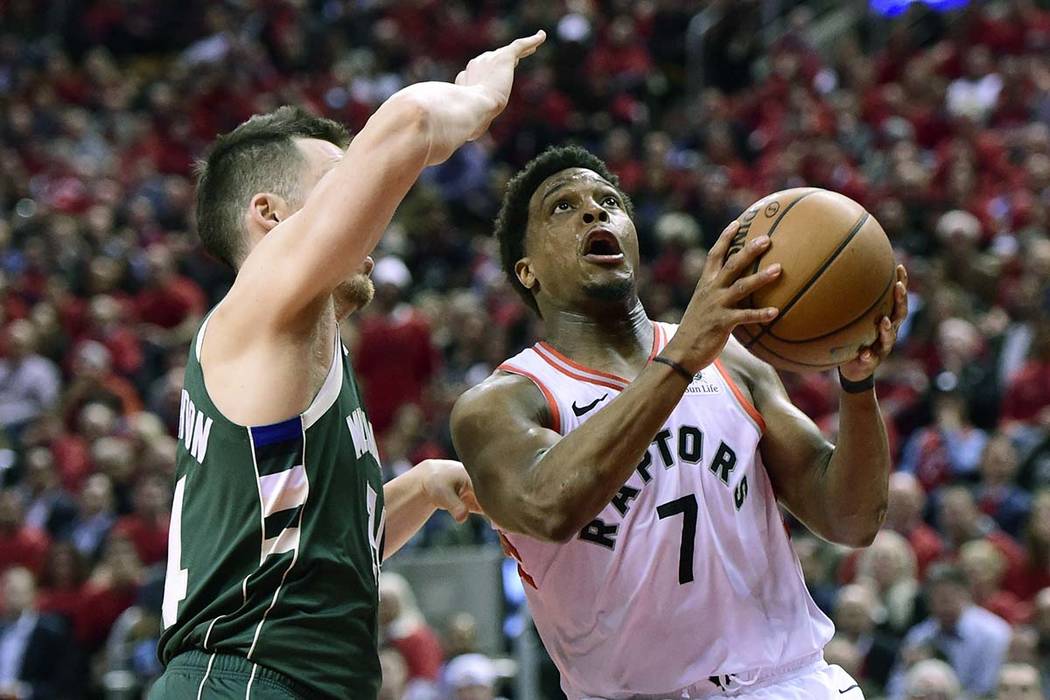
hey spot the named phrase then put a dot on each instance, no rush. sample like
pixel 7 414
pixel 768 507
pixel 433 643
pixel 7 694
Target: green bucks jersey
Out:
pixel 276 537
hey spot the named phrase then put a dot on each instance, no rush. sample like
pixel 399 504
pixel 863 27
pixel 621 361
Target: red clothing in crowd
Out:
pixel 150 538
pixel 169 304
pixel 25 547
pixel 1028 392
pixel 395 360
pixel 102 605
pixel 422 652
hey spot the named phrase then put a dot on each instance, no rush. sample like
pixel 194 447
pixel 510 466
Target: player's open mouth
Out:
pixel 601 247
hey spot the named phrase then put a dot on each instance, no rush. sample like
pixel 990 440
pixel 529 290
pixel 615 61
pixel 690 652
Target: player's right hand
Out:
pixel 494 70
pixel 713 312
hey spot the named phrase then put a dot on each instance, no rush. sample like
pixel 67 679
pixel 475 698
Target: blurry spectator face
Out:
pixel 104 311
pixel 906 501
pixel 1024 646
pixel 947 602
pixel 10 510
pixel 1019 682
pixel 122 559
pixel 40 469
pixel 151 497
pixel 958 513
pixel 1042 613
pixel 855 611
pixel 113 457
pixel 983 564
pixel 889 555
pixel 19 590
pixel 96 421
pixel 1039 520
pixel 580 245
pixel 462 634
pixel 63 567
pixel 21 340
pixel 1000 461
pixel 97 495
pixel 92 360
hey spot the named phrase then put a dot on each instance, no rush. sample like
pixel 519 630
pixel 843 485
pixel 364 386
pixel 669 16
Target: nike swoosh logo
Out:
pixel 580 410
pixel 855 686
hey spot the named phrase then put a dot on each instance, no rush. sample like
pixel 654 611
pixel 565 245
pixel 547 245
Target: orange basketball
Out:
pixel 837 279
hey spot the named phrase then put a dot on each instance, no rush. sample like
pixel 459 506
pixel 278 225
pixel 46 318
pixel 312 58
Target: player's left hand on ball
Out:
pixel 447 485
pixel 863 366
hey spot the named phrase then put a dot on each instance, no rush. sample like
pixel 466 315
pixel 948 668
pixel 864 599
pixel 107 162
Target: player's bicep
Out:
pixel 499 435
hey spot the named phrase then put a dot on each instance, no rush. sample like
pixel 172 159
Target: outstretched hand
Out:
pixel 863 366
pixel 494 70
pixel 448 487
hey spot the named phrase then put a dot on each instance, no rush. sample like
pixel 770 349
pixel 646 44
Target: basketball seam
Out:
pixel 776 222
pixel 849 323
pixel 793 361
pixel 813 278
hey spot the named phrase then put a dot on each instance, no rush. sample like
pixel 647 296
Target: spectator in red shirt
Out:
pixel 147 527
pixel 907 501
pixel 62 582
pixel 107 327
pixel 395 358
pixel 984 567
pixel 401 625
pixel 962 522
pixel 998 495
pixel 94 380
pixel 1037 539
pixel 20 545
pixel 111 590
pixel 170 306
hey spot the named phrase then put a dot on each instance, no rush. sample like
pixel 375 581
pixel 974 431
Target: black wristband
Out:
pixel 686 374
pixel 860 387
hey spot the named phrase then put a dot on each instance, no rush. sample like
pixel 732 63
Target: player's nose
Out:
pixel 595 213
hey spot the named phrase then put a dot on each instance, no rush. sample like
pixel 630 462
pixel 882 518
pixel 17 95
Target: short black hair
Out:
pixel 258 156
pixel 513 216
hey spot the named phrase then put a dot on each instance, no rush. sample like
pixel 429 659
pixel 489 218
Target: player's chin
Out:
pixel 611 288
pixel 356 292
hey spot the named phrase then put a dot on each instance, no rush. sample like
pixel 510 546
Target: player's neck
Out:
pixel 611 343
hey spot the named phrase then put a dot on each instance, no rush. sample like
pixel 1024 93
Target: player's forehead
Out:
pixel 321 156
pixel 568 180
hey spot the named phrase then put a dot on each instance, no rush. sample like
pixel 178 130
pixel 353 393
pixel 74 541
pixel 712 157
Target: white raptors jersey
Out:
pixel 688 573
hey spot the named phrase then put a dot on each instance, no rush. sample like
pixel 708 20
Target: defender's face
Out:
pixel 580 243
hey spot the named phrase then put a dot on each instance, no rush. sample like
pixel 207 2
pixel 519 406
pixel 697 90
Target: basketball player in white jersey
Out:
pixel 634 468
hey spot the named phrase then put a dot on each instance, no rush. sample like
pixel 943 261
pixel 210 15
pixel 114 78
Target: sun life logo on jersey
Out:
pixel 361 434
pixel 699 385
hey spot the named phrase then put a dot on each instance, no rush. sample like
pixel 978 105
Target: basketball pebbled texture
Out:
pixel 836 280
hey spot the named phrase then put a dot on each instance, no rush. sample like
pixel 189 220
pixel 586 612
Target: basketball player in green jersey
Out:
pixel 280 517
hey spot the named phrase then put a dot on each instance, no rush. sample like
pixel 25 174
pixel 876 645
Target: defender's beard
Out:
pixel 354 294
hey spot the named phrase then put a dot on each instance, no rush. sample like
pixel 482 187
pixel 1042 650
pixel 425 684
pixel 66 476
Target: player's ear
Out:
pixel 523 271
pixel 266 210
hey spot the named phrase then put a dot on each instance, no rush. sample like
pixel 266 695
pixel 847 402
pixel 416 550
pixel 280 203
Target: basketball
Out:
pixel 836 283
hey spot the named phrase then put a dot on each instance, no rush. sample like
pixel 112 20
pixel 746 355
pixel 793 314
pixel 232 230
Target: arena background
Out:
pixel 935 116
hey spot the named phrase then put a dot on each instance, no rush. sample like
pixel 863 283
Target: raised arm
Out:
pixel 838 491
pixel 530 479
pixel 305 256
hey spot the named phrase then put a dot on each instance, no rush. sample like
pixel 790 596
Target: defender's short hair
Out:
pixel 513 216
pixel 258 156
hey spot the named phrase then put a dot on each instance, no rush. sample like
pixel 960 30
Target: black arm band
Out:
pixel 857 387
pixel 686 374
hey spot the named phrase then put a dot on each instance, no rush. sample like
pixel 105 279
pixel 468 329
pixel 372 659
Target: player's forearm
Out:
pixel 856 482
pixel 580 474
pixel 407 509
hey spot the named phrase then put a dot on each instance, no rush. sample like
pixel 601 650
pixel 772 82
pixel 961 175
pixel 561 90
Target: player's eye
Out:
pixel 561 206
pixel 611 201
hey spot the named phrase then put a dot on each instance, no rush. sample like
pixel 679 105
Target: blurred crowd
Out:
pixel 938 123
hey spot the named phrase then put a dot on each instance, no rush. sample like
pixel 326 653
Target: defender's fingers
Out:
pixel 527 45
pixel 745 286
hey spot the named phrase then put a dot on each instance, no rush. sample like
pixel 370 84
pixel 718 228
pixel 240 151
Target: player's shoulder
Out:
pixel 500 394
pixel 744 367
